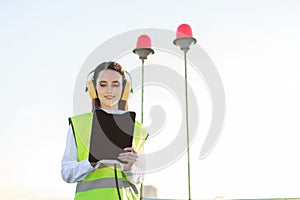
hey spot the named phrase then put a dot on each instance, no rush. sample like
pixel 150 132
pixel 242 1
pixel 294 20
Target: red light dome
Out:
pixel 184 30
pixel 143 41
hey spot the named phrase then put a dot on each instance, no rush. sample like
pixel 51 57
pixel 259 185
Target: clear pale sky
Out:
pixel 254 44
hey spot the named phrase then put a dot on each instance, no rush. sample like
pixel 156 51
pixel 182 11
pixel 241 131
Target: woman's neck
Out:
pixel 115 107
pixel 114 111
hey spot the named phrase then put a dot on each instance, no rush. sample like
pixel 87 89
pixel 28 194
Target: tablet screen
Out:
pixel 111 133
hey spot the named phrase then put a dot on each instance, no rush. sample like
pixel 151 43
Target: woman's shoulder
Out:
pixel 83 115
pixel 137 123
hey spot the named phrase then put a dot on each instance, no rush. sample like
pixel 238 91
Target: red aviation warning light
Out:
pixel 143 47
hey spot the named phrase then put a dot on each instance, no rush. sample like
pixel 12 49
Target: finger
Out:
pixel 128 161
pixel 128 153
pixel 123 154
pixel 128 158
pixel 130 149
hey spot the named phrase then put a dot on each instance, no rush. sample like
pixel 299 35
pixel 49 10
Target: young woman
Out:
pixel 100 180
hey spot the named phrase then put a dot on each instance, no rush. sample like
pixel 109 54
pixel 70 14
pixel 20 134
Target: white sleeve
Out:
pixel 72 170
pixel 136 174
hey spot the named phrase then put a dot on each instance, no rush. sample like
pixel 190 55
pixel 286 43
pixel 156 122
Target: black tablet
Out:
pixel 111 133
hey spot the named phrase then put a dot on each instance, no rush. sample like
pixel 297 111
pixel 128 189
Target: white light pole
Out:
pixel 184 38
pixel 143 49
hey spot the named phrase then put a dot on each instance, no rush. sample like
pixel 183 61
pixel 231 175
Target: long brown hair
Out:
pixel 122 104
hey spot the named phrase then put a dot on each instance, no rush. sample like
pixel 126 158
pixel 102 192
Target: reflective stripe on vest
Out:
pixel 101 182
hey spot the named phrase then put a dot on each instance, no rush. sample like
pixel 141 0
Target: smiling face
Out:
pixel 109 88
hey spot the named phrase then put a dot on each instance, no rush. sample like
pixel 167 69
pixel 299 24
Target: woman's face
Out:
pixel 109 88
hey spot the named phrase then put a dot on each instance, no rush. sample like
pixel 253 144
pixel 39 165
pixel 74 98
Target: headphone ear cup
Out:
pixel 126 90
pixel 92 90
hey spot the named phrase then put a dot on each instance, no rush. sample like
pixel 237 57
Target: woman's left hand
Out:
pixel 130 157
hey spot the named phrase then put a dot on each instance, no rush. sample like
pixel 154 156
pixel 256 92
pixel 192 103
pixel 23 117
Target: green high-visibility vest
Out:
pixel 101 183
